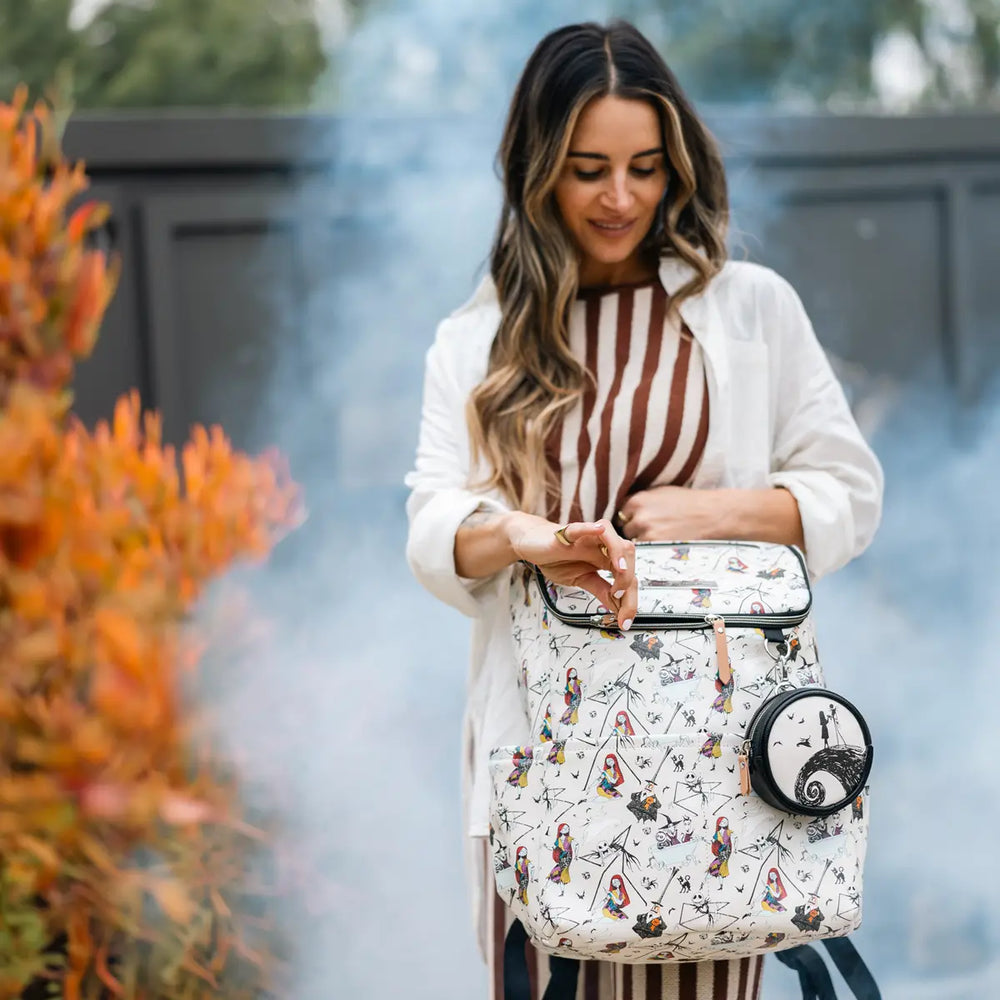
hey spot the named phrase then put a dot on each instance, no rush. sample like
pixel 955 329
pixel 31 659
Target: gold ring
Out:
pixel 622 518
pixel 604 549
pixel 560 533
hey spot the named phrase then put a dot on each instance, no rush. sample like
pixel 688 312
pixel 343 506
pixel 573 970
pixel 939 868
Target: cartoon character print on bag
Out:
pixel 644 805
pixel 858 808
pixel 808 916
pixel 611 778
pixel 562 854
pixel 617 899
pixel 647 645
pixel 722 849
pixel 712 747
pixel 702 597
pixel 557 752
pixel 833 769
pixel 623 724
pixel 736 565
pixel 650 925
pixel 545 736
pixel 573 695
pixel 774 893
pixel 521 761
pixel 523 875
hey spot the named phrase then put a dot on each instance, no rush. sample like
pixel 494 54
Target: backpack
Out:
pixel 692 791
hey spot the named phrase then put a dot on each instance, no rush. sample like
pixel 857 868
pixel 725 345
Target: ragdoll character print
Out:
pixel 573 695
pixel 722 848
pixel 774 892
pixel 611 778
pixel 617 899
pixel 562 854
pixel 521 874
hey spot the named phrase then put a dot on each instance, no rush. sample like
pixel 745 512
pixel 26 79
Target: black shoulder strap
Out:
pixel 815 979
pixel 852 967
pixel 813 976
pixel 563 972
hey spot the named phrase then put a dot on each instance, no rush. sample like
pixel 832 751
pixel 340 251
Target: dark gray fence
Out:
pixel 889 228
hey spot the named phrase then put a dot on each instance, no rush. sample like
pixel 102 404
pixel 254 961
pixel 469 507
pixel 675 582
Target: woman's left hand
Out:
pixel 678 513
pixel 673 513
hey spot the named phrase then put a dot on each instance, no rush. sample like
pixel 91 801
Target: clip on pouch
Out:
pixel 807 751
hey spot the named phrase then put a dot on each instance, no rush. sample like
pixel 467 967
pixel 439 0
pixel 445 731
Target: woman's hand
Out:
pixel 672 513
pixel 593 545
pixel 678 513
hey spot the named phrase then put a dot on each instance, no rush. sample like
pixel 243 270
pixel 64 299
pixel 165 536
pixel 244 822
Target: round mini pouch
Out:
pixel 809 751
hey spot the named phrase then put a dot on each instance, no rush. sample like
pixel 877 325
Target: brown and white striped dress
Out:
pixel 642 422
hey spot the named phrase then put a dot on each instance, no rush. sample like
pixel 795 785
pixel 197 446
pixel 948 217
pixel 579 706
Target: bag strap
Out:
pixel 815 979
pixel 804 959
pixel 563 972
pixel 851 966
pixel 813 976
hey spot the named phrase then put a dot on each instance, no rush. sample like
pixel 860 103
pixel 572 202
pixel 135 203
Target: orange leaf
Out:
pixel 123 639
pixel 172 898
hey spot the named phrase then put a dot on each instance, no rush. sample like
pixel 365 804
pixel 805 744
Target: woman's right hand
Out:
pixel 594 545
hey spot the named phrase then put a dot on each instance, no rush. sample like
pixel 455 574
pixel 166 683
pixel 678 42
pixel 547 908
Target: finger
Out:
pixel 600 588
pixel 621 555
pixel 628 606
pixel 577 531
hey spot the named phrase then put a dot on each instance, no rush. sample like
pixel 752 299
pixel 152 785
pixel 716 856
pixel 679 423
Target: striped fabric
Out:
pixel 643 420
pixel 738 979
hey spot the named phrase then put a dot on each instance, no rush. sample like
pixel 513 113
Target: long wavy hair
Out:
pixel 533 378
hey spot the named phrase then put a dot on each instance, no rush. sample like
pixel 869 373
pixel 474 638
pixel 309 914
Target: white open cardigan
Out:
pixel 777 417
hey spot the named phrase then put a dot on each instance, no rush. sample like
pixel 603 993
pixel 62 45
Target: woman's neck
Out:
pixel 596 274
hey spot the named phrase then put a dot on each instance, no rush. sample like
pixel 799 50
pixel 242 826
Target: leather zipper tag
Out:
pixel 722 651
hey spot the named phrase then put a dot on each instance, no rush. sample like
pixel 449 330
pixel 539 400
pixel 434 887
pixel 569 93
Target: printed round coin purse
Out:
pixel 808 751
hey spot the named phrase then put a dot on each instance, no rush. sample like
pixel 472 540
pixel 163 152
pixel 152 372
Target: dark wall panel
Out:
pixel 870 271
pixel 225 295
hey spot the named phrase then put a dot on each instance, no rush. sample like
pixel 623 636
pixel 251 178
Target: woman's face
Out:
pixel 610 187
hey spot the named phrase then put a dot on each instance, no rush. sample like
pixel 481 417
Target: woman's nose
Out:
pixel 618 195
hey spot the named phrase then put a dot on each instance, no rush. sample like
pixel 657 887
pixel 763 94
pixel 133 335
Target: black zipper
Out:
pixel 671 622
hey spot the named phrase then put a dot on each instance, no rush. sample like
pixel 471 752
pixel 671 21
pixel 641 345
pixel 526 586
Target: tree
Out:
pixel 252 53
pixel 728 51
pixel 35 40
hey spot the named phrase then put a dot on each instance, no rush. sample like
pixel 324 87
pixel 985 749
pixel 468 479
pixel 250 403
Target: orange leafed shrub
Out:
pixel 126 869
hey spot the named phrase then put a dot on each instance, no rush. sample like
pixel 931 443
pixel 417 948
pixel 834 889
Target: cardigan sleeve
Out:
pixel 817 451
pixel 439 497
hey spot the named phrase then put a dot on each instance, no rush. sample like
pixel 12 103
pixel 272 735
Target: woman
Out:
pixel 615 379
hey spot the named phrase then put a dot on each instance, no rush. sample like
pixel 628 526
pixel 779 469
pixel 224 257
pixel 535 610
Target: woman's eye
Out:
pixel 644 171
pixel 588 175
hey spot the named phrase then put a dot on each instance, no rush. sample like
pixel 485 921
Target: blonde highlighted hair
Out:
pixel 533 378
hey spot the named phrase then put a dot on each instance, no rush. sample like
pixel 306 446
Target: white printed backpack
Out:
pixel 692 791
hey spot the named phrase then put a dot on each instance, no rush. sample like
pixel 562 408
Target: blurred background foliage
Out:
pixel 895 55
